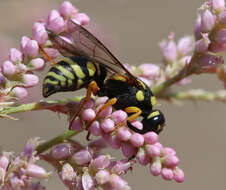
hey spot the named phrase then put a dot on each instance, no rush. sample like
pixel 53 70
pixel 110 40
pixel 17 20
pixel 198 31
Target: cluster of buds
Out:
pixel 146 148
pixel 84 168
pixel 19 172
pixel 16 74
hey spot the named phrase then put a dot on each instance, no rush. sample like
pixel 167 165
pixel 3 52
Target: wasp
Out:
pixel 87 63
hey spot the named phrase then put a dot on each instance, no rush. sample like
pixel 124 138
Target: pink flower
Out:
pixel 36 171
pixel 15 55
pixel 8 68
pixel 31 48
pixel 61 151
pixel 101 162
pixel 82 157
pixel 185 45
pixel 202 45
pixel 39 33
pixel 217 5
pixel 207 21
pixel 30 80
pixel 137 139
pixel 102 177
pixel 169 50
pixel 198 28
pixel 20 92
pixel 88 114
pixel 55 22
pixel 82 18
pixel 107 125
pixel 67 9
pixel 37 64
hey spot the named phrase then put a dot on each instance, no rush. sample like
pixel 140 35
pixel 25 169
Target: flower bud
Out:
pixel 149 70
pixel 61 151
pixel 202 45
pixel 23 42
pixel 34 170
pixel 55 22
pixel 20 92
pixel 198 28
pixel 178 175
pixel 67 173
pixel 31 48
pixel 156 167
pixel 102 176
pixel 8 68
pixel 118 116
pixel 87 181
pixel 4 162
pixel 152 150
pixel 207 21
pixel 36 64
pixel 101 162
pixel 217 5
pixel 117 182
pixel 77 125
pixel 142 157
pixel 167 174
pixel 169 50
pixel 137 140
pixel 82 18
pixel 88 114
pixel 15 55
pixel 30 80
pixel 67 9
pixel 123 133
pixel 128 150
pixel 151 138
pixel 107 125
pixel 95 128
pixel 82 157
pixel 171 161
pixel 185 45
pixel 39 33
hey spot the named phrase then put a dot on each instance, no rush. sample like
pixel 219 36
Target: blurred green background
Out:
pixel 133 28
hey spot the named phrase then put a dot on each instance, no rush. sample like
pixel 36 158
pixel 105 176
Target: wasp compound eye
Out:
pixel 154 121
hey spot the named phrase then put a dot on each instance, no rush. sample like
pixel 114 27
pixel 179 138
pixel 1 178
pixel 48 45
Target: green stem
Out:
pixel 197 94
pixel 38 106
pixel 57 140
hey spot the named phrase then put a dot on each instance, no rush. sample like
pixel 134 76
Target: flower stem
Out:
pixel 197 94
pixel 56 140
pixel 50 105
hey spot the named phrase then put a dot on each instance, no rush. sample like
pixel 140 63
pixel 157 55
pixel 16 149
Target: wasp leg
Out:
pixel 91 88
pixel 47 56
pixel 109 103
pixel 136 113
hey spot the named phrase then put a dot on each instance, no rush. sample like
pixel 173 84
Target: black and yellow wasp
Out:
pixel 86 62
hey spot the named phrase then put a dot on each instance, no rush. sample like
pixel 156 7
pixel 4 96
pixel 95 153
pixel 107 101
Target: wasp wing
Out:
pixel 97 51
pixel 87 45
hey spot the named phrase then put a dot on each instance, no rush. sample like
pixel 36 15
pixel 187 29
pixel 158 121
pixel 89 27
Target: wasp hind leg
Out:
pixel 91 88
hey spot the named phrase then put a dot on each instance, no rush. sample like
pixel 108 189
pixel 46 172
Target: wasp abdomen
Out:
pixel 69 74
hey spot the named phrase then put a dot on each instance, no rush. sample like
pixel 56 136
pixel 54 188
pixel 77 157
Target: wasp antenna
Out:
pixel 47 56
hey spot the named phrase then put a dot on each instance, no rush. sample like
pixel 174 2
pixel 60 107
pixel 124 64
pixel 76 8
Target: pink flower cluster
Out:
pixel 146 148
pixel 84 168
pixel 18 172
pixel 16 74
